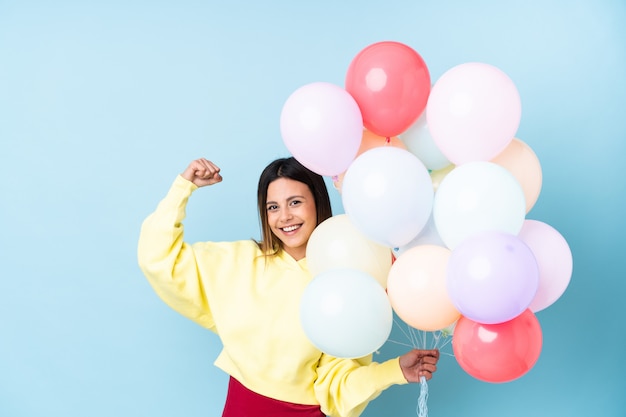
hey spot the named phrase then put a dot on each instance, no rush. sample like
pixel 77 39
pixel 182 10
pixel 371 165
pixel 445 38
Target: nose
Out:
pixel 286 215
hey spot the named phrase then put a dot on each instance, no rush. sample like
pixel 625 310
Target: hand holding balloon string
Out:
pixel 420 363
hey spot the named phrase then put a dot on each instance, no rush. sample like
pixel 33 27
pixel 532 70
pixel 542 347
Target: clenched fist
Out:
pixel 202 172
pixel 418 363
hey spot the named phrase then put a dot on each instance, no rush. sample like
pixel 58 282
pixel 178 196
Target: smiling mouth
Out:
pixel 290 228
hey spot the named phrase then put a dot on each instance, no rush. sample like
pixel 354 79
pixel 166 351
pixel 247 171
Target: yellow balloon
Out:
pixel 521 161
pixel 417 290
pixel 438 175
pixel 337 243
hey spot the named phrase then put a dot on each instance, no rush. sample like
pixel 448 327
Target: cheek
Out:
pixel 313 215
pixel 271 219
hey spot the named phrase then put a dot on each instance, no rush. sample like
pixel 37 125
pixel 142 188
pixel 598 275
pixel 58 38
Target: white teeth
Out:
pixel 290 228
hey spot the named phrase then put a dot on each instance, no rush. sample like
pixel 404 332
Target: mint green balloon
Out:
pixel 477 197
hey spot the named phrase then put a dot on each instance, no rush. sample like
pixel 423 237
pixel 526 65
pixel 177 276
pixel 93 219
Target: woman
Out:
pixel 248 293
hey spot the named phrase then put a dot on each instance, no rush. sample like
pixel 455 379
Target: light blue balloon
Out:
pixel 388 194
pixel 346 313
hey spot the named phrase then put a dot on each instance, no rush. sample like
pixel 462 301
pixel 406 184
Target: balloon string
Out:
pixel 422 401
pixel 419 339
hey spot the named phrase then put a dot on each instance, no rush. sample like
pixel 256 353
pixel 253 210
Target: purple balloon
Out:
pixel 492 277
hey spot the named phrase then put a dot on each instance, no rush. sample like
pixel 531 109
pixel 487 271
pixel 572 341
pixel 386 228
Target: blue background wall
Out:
pixel 102 103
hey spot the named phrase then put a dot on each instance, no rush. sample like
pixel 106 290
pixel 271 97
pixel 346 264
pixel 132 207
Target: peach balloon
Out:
pixel 417 290
pixel 520 160
pixel 369 141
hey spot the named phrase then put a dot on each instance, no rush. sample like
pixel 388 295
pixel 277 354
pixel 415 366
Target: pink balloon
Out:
pixel 321 126
pixel 492 277
pixel 554 259
pixel 473 112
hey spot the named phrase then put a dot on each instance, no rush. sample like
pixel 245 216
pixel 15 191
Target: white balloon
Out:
pixel 475 197
pixel 420 143
pixel 388 194
pixel 346 313
pixel 428 236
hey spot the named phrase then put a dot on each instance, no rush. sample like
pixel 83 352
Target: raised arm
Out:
pixel 167 261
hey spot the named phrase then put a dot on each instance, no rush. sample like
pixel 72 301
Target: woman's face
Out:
pixel 291 214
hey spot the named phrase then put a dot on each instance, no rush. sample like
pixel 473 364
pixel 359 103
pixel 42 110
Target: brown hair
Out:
pixel 292 169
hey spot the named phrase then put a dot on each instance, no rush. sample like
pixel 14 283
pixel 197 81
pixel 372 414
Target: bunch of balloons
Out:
pixel 436 189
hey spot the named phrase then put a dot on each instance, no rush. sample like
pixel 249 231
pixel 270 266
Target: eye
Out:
pixel 295 202
pixel 272 207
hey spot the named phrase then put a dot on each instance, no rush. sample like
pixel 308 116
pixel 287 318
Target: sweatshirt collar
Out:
pixel 301 264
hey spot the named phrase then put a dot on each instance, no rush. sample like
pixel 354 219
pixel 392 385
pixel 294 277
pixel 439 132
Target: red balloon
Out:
pixel 391 83
pixel 498 352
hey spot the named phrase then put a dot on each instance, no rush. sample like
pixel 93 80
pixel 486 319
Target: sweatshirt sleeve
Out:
pixel 344 387
pixel 168 262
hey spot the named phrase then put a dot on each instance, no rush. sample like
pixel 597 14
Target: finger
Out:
pixel 216 178
pixel 430 359
pixel 431 352
pixel 209 165
pixel 204 164
pixel 214 167
pixel 205 169
pixel 427 370
pixel 430 355
pixel 426 375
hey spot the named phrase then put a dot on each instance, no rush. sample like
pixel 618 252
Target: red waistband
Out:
pixel 242 402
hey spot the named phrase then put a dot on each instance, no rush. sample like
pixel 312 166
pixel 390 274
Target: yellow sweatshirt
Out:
pixel 252 303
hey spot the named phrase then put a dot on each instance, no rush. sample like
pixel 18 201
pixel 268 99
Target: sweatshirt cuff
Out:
pixel 390 373
pixel 182 183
